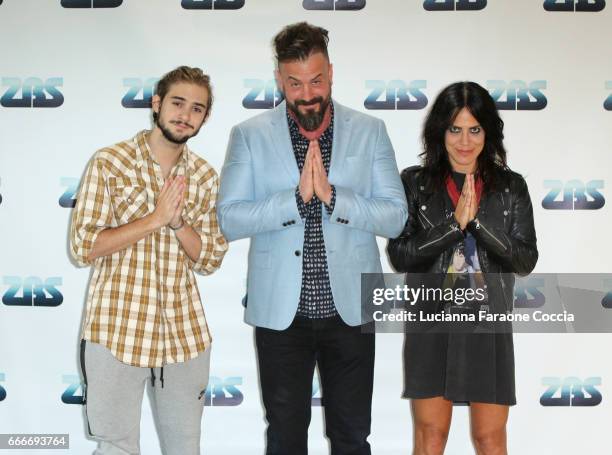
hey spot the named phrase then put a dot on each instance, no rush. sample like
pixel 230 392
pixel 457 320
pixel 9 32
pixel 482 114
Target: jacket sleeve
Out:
pixel 516 250
pixel 240 215
pixel 417 248
pixel 384 214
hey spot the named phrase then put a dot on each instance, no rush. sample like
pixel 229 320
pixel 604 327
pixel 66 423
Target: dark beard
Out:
pixel 313 119
pixel 171 137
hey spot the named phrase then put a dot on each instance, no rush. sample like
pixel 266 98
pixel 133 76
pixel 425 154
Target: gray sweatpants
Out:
pixel 114 401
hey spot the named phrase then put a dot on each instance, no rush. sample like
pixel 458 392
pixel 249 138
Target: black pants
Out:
pixel 287 360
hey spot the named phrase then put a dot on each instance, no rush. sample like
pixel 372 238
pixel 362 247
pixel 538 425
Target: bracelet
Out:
pixel 178 227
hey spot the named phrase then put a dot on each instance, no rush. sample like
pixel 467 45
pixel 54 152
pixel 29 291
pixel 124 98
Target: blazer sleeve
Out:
pixel 240 214
pixel 384 214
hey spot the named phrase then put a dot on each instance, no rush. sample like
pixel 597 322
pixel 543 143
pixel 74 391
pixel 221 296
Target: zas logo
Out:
pixel 32 291
pixel 608 101
pixel 32 92
pixel 2 389
pixel 223 392
pixel 589 6
pixel 140 92
pixel 74 392
pixel 212 4
pixel 68 199
pixel 262 94
pixel 91 3
pixel 396 95
pixel 334 5
pixel 575 195
pixel 571 391
pixel 454 5
pixel 220 392
pixel 518 95
pixel 528 293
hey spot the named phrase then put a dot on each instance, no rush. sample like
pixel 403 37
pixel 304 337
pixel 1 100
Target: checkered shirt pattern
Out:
pixel 143 302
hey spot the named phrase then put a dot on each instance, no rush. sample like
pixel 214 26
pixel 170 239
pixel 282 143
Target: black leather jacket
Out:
pixel 503 229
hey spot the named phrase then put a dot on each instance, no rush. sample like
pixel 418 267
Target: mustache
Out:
pixel 312 102
pixel 182 123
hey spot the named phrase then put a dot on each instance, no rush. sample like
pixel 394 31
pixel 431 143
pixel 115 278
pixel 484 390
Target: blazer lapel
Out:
pixel 342 135
pixel 279 132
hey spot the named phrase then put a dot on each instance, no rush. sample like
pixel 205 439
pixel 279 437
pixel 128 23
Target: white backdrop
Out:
pixel 43 151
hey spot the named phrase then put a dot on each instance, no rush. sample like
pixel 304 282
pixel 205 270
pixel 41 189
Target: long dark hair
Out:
pixel 492 161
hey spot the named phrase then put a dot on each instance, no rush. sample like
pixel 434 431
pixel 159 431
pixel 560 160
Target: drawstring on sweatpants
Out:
pixel 161 377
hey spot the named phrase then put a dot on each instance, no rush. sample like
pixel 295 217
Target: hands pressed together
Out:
pixel 170 203
pixel 468 205
pixel 314 178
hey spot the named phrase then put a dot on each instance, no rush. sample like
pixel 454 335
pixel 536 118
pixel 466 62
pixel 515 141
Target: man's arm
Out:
pixel 116 239
pixel 240 215
pixel 385 213
pixel 111 240
pixel 91 232
pixel 190 241
pixel 92 213
pixel 202 242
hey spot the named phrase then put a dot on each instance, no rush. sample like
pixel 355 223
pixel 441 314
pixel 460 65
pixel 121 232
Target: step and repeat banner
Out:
pixel 77 75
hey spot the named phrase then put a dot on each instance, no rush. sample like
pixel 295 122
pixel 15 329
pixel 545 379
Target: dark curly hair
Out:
pixel 492 165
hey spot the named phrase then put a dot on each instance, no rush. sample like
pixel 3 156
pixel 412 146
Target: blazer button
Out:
pixel 423 207
pixel 292 222
pixel 284 224
pixel 297 252
pixel 339 220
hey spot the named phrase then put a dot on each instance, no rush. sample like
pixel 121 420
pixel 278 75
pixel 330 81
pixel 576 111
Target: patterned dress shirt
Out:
pixel 316 300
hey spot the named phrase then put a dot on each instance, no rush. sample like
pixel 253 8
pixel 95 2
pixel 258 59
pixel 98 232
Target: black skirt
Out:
pixel 461 367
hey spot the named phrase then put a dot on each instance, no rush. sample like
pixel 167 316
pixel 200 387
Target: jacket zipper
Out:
pixel 426 219
pixel 478 226
pixel 453 229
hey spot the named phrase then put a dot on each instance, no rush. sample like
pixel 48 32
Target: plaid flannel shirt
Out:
pixel 143 302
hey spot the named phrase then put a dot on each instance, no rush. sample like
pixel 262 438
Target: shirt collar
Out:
pixel 143 151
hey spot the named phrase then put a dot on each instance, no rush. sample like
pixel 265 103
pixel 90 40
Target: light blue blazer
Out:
pixel 257 200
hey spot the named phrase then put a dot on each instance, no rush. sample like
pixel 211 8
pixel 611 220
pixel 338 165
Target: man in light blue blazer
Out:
pixel 311 183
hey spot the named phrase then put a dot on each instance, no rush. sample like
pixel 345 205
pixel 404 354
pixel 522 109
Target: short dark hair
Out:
pixel 184 74
pixel 299 41
pixel 492 162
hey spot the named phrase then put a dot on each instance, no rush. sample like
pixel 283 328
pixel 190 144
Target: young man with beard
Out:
pixel 145 218
pixel 311 183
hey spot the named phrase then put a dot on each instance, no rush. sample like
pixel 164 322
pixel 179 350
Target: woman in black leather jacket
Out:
pixel 469 214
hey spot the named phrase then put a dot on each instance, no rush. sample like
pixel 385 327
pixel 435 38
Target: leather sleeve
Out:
pixel 417 248
pixel 517 250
